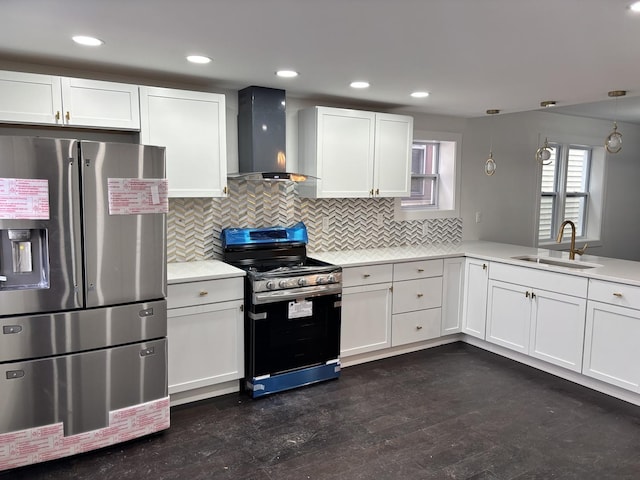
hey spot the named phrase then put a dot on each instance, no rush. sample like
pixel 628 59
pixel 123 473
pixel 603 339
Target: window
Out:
pixel 424 175
pixel 565 191
pixel 435 182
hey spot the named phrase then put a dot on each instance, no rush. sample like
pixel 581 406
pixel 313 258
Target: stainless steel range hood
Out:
pixel 262 135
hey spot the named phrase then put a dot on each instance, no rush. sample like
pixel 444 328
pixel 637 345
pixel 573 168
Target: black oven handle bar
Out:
pixel 295 294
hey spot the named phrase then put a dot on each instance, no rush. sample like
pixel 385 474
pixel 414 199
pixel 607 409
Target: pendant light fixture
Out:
pixel 613 143
pixel 543 153
pixel 490 164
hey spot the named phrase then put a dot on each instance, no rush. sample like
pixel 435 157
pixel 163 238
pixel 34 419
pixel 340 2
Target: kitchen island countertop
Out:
pixel 609 269
pixel 182 272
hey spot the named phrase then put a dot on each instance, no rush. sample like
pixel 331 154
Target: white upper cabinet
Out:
pixel 30 98
pixel 50 100
pixel 354 153
pixel 97 104
pixel 192 127
pixel 392 163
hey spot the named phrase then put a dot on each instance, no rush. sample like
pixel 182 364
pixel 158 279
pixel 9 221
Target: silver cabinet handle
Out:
pixel 420 270
pixel 617 294
pixel 418 327
pixel 420 295
pixel 204 293
pixel 366 275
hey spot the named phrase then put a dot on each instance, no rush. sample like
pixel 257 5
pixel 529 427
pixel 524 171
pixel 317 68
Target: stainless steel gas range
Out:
pixel 292 309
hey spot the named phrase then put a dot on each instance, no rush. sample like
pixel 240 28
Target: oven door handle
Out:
pixel 296 293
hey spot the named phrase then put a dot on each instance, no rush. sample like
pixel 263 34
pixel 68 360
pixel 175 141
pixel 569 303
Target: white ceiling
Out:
pixel 472 55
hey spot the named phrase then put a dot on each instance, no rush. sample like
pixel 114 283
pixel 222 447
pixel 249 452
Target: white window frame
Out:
pixel 594 200
pixel 449 179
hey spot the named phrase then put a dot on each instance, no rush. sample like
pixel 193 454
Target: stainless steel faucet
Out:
pixel 572 248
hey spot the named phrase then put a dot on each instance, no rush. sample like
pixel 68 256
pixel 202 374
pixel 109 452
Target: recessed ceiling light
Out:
pixel 287 73
pixel 635 7
pixel 198 59
pixel 87 41
pixel 420 94
pixel 359 84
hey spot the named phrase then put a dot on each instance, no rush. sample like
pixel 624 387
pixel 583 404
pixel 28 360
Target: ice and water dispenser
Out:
pixel 24 259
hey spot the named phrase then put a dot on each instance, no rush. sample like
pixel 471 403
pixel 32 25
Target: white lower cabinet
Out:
pixel 557 329
pixel 452 295
pixel 474 305
pixel 416 326
pixel 612 336
pixel 417 298
pixel 366 309
pixel 546 324
pixel 206 338
pixel 366 319
pixel 508 316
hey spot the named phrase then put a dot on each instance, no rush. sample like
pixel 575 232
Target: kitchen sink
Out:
pixel 558 262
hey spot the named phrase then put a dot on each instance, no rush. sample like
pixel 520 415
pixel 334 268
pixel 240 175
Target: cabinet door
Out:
pixel 452 295
pixel 366 319
pixel 205 345
pixel 557 329
pixel 30 98
pixel 476 278
pixel 611 352
pixel 345 146
pixel 93 103
pixel 392 161
pixel 192 127
pixel 508 315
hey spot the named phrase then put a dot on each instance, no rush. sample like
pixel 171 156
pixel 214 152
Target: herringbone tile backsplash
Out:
pixel 194 224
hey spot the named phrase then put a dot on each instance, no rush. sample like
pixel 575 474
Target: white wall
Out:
pixel 507 201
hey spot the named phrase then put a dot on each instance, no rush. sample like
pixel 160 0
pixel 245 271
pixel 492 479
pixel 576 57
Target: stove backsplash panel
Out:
pixel 194 224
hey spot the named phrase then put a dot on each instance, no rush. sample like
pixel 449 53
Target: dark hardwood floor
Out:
pixel 450 412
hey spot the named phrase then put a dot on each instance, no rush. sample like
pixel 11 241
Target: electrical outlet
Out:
pixel 325 224
pixel 478 217
pixel 425 229
pixel 380 220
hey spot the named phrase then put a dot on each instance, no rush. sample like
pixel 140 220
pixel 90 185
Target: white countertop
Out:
pixel 611 269
pixel 182 272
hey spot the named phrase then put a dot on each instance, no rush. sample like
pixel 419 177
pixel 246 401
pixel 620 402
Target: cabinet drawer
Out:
pixel 412 295
pixel 206 291
pixel 367 275
pixel 614 293
pixel 415 326
pixel 415 270
pixel 535 278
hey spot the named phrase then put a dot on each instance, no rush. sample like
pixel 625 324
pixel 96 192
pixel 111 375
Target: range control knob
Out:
pixel 269 285
pixel 321 280
pixel 331 279
pixel 282 283
pixel 302 282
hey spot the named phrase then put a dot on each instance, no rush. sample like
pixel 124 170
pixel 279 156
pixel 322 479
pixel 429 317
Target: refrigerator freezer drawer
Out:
pixel 35 336
pixel 79 390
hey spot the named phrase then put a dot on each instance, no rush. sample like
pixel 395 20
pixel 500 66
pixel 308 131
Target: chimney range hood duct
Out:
pixel 262 135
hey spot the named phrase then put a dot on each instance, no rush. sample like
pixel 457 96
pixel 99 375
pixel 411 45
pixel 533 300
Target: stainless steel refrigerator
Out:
pixel 82 291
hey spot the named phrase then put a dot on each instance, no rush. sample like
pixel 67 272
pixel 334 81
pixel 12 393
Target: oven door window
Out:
pixel 295 335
